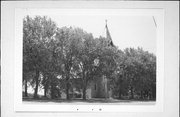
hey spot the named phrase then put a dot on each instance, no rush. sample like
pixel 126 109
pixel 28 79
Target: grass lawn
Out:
pixel 88 101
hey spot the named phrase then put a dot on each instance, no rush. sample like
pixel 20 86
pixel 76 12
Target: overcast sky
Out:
pixel 126 31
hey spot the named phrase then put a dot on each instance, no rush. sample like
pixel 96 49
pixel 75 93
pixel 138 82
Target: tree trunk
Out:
pixel 84 93
pixel 148 94
pixel 132 93
pixel 141 95
pixel 45 91
pixel 26 95
pixel 67 87
pixel 67 67
pixel 52 91
pixel 84 86
pixel 37 83
pixel 67 90
pixel 119 94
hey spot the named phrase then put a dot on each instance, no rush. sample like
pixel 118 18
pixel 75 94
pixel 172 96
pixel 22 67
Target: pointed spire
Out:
pixel 108 36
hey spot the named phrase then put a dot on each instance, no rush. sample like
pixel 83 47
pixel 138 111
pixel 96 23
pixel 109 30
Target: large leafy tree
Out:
pixel 36 32
pixel 147 74
pixel 68 41
pixel 86 59
pixel 138 72
pixel 120 82
pixel 50 68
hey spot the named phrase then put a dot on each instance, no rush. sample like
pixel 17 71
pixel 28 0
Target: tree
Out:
pixel 148 79
pixel 36 32
pixel 120 82
pixel 68 44
pixel 139 68
pixel 86 58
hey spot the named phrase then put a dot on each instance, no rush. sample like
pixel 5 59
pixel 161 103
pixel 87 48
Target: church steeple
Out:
pixel 108 36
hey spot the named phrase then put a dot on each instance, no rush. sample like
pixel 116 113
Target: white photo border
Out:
pixel 19 106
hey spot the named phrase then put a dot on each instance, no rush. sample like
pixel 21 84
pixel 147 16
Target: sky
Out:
pixel 126 30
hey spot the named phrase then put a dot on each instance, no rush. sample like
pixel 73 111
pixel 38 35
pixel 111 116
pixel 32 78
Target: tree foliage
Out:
pixel 37 32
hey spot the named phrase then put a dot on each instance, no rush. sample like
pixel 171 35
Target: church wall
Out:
pixel 99 88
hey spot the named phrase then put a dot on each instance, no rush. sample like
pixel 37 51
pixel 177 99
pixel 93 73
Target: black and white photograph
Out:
pixel 88 58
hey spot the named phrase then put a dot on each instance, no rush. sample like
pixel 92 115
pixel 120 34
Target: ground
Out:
pixel 88 101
